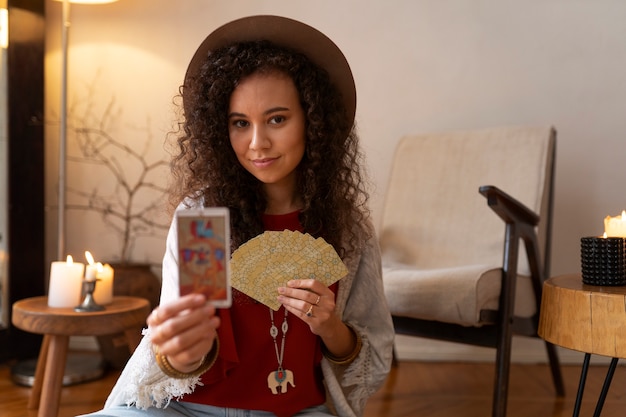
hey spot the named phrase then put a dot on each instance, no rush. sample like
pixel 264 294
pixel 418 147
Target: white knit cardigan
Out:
pixel 360 302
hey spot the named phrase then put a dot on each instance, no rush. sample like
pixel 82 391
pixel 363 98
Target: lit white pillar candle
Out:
pixel 103 294
pixel 615 226
pixel 66 283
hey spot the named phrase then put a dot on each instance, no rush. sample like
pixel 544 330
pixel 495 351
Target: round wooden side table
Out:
pixel 586 318
pixel 124 315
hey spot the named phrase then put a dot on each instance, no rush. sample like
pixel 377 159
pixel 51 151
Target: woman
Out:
pixel 269 109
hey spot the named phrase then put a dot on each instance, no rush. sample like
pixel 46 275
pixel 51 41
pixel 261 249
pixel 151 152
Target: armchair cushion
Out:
pixel 452 295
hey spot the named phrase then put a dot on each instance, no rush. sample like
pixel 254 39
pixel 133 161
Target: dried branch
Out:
pixel 134 206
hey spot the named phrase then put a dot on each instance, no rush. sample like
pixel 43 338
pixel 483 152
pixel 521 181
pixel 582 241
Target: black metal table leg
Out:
pixel 581 384
pixel 605 386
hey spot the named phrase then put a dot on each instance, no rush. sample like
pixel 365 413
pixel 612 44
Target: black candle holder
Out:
pixel 89 303
pixel 603 260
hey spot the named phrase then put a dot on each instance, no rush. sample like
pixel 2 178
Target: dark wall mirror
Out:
pixel 4 172
pixel 22 252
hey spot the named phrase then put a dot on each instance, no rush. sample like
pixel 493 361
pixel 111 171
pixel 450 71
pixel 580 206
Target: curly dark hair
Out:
pixel 330 181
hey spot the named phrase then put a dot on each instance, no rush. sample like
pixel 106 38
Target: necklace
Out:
pixel 280 377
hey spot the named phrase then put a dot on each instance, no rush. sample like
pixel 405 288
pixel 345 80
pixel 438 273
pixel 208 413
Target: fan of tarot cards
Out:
pixel 269 260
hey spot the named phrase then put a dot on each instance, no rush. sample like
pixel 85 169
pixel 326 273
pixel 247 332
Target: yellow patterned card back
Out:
pixel 268 261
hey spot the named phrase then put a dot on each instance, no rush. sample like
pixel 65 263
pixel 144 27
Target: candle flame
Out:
pixel 89 257
pixel 623 215
pixel 604 235
pixel 99 267
pixel 69 260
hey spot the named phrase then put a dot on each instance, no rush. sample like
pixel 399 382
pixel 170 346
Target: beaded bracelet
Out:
pixel 350 357
pixel 205 365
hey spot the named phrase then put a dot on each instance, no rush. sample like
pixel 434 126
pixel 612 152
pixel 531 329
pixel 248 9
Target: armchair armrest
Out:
pixel 508 208
pixel 520 224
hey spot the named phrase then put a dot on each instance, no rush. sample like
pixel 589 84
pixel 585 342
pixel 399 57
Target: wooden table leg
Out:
pixel 133 337
pixel 35 393
pixel 53 376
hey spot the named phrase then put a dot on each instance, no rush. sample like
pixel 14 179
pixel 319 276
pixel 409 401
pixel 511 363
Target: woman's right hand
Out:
pixel 184 330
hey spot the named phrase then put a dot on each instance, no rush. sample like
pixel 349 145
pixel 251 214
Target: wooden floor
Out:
pixel 415 389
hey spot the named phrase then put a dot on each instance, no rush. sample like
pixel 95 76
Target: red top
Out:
pixel 247 358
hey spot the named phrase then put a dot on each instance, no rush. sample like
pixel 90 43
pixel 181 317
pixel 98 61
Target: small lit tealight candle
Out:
pixel 66 283
pixel 615 226
pixel 91 270
pixel 103 294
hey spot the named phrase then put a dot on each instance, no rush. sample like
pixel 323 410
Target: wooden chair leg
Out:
pixel 501 388
pixel 555 369
pixel 503 354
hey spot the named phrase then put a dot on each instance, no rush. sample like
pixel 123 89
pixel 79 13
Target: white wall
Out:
pixel 420 66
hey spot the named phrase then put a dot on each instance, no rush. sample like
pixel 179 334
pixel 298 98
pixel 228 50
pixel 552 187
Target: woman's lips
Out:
pixel 263 162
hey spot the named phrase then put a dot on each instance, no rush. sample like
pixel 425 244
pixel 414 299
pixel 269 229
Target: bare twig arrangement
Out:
pixel 131 200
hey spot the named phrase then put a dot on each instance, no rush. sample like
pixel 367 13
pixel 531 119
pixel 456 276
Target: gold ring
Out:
pixel 319 297
pixel 309 312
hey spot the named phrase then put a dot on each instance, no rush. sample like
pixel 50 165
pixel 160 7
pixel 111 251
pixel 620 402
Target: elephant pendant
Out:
pixel 280 378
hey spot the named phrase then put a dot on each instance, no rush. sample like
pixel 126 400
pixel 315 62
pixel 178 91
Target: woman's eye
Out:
pixel 240 123
pixel 277 119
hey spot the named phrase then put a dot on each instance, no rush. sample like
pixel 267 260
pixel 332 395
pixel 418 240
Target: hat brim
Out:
pixel 288 33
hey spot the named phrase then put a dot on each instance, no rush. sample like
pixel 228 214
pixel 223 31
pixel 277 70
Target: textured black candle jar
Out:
pixel 602 260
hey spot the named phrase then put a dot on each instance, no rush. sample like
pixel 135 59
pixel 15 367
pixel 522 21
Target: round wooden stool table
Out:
pixel 124 315
pixel 586 318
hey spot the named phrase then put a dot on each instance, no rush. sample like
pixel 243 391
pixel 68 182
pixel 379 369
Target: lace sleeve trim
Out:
pixel 144 385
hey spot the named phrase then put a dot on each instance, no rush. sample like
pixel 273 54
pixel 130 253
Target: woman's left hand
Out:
pixel 312 302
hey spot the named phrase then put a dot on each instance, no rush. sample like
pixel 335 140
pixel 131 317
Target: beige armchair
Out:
pixel 453 269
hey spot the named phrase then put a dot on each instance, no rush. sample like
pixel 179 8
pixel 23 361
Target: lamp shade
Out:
pixel 4 26
pixel 90 1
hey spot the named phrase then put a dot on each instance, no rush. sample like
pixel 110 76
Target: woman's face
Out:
pixel 266 129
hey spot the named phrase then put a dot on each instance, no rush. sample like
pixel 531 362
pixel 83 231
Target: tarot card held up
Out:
pixel 204 253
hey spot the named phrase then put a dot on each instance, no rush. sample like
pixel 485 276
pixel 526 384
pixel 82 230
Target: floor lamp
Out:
pixel 63 121
pixel 80 367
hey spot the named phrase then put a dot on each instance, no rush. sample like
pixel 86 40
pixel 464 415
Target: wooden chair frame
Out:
pixel 520 223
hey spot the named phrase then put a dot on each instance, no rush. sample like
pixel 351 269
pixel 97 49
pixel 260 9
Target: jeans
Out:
pixel 185 409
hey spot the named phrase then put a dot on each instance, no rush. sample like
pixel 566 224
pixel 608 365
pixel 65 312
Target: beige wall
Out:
pixel 420 66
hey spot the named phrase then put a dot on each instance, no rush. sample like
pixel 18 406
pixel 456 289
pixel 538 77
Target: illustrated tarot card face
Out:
pixel 204 254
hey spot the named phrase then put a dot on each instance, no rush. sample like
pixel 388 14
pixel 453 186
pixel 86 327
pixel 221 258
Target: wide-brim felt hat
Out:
pixel 289 33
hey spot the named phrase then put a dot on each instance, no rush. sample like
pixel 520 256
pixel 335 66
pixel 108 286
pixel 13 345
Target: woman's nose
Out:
pixel 259 139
